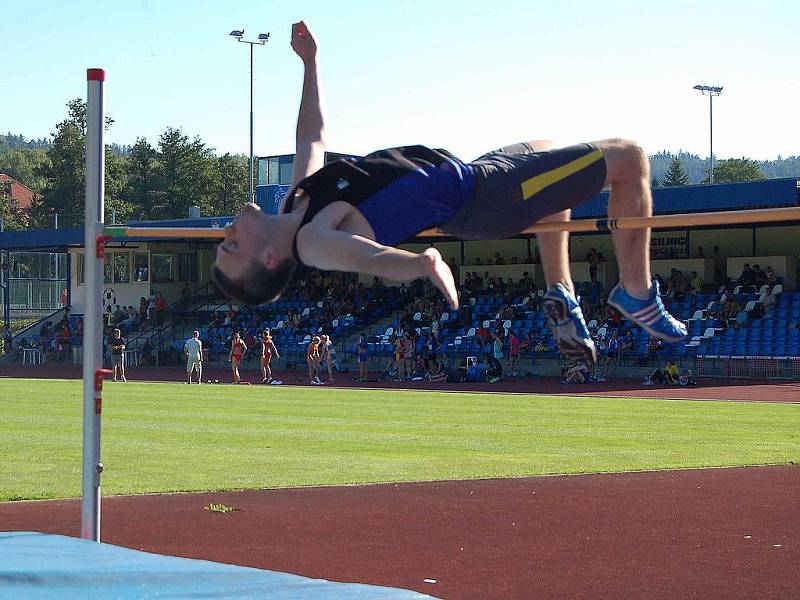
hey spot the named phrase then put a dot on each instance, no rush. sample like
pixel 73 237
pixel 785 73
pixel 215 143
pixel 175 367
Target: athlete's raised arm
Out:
pixel 310 150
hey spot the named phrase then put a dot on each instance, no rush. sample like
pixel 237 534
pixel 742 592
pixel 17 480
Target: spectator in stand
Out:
pixel 117 346
pixel 719 265
pixel 770 275
pixel 769 301
pixel 498 259
pixel 654 348
pixel 628 343
pixel 494 368
pixel 747 278
pixel 142 309
pixel 696 282
pixel 593 259
pixel 541 347
pixel 514 353
pixel 734 308
pixel 151 305
pixel 699 253
pixel 759 277
pixel 483 336
pixel 161 305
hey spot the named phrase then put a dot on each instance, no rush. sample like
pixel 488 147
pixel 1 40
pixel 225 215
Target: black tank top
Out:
pixel 390 176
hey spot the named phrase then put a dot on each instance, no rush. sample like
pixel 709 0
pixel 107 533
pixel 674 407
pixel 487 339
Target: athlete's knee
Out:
pixel 625 159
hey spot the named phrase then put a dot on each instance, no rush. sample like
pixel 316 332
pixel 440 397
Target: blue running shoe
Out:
pixel 648 314
pixel 566 321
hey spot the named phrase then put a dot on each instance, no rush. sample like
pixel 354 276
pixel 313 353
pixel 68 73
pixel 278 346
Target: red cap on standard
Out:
pixel 95 75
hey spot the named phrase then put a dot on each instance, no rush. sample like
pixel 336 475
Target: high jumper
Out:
pixel 350 216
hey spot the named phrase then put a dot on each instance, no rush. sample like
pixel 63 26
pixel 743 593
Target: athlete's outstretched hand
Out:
pixel 303 42
pixel 441 276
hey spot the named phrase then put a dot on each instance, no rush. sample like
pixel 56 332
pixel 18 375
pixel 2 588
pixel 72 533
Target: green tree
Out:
pixel 231 187
pixel 64 172
pixel 185 176
pixel 24 165
pixel 12 217
pixel 676 174
pixel 142 178
pixel 735 170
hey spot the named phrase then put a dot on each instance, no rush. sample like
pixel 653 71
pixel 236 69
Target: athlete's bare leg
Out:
pixel 628 173
pixel 554 246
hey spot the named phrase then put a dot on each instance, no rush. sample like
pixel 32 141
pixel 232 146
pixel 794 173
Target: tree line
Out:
pixel 143 182
pixel 162 181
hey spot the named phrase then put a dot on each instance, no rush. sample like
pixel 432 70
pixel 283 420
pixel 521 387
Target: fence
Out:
pixel 754 368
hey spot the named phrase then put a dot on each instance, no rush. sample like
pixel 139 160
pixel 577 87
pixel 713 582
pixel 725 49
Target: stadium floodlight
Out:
pixel 263 38
pixel 710 91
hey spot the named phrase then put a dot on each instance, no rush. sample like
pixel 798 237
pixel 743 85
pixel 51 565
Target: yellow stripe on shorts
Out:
pixel 537 183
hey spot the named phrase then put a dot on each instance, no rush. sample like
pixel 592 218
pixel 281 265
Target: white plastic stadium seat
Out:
pixel 319 304
pixel 778 289
pixel 709 332
pixel 487 324
pixel 389 331
pixel 458 341
pixel 592 324
pixel 418 316
pixel 471 332
pixel 763 289
pixel 335 322
pixel 602 332
pixel 279 325
pixel 749 306
pixel 698 314
pixel 444 318
pixel 306 311
pixel 507 324
pixel 737 290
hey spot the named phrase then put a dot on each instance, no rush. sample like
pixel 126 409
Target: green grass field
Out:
pixel 170 437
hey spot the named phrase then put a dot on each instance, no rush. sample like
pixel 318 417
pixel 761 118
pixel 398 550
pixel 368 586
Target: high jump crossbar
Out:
pixel 732 217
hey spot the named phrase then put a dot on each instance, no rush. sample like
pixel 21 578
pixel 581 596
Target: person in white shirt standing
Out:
pixel 193 348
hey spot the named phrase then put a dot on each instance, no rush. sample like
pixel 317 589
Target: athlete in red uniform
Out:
pixel 238 348
pixel 268 350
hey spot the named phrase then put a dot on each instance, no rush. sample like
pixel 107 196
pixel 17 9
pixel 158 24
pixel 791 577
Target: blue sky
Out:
pixel 467 76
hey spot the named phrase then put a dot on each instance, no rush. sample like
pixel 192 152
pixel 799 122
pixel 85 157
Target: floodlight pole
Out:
pixel 263 38
pixel 710 91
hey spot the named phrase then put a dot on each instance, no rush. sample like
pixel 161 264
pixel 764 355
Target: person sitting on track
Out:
pixel 350 216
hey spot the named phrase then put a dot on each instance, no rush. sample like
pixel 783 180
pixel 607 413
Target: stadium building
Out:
pixel 42 271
